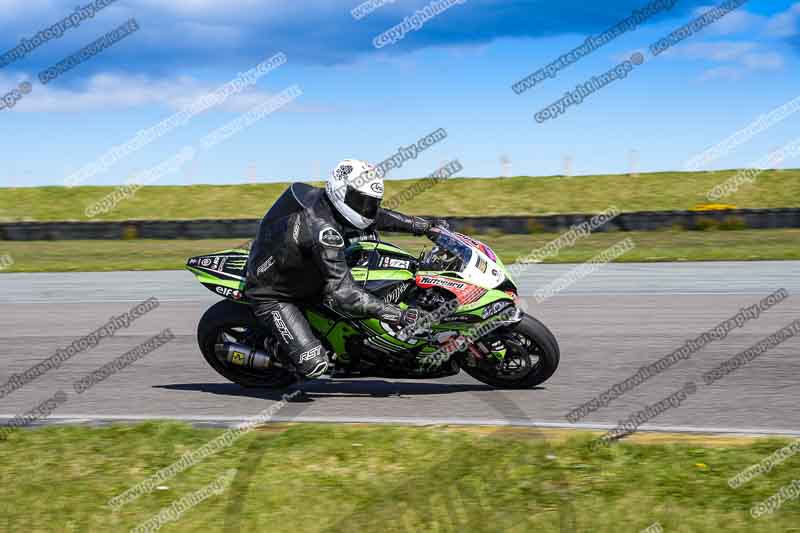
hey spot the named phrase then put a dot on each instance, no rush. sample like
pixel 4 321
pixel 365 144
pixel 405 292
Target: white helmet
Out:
pixel 355 189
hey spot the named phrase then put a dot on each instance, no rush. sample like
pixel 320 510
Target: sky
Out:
pixel 357 100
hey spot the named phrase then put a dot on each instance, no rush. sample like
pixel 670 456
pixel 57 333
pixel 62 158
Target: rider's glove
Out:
pixel 436 224
pixel 361 237
pixel 420 226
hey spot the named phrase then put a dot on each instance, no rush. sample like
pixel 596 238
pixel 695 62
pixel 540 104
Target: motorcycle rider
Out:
pixel 298 257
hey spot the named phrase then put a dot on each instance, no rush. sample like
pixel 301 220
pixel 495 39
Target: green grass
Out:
pixel 304 478
pixel 457 196
pixel 65 256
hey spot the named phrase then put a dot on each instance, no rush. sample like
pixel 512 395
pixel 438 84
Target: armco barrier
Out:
pixel 246 228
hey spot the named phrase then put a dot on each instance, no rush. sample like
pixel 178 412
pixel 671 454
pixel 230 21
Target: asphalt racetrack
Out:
pixel 608 325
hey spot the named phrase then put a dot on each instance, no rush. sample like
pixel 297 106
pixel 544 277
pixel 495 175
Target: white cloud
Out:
pixel 784 24
pixel 713 51
pixel 738 58
pixel 212 35
pixel 736 21
pixel 780 25
pixel 207 7
pixel 111 92
pixel 748 64
pixel 723 73
pixel 262 10
pixel 743 57
pixel 763 61
pixel 15 10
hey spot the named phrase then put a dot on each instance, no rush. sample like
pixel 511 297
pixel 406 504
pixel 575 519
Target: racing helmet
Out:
pixel 355 189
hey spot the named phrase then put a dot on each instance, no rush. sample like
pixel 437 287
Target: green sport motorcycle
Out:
pixel 477 323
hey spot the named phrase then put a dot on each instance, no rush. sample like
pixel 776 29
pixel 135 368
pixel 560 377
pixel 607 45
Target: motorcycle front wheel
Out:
pixel 532 356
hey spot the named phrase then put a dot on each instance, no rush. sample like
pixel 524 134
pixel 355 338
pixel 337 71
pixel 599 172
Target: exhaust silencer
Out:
pixel 244 356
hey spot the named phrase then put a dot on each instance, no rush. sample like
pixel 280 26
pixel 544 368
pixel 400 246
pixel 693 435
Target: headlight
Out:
pixel 497 307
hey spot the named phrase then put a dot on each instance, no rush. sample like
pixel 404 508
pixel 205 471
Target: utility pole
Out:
pixel 566 162
pixel 505 163
pixel 633 163
pixel 316 172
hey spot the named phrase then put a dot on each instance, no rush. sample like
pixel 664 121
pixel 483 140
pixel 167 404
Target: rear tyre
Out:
pixel 532 356
pixel 227 321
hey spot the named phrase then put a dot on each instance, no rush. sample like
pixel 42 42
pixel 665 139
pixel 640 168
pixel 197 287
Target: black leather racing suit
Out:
pixel 298 258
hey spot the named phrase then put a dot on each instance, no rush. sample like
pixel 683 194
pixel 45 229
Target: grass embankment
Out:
pixel 746 245
pixel 302 478
pixel 457 196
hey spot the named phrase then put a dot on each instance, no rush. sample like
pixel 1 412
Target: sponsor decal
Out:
pixel 377 187
pixel 193 261
pixel 332 238
pixel 343 171
pixel 391 262
pixel 465 293
pixel 310 355
pixel 394 295
pixel 468 240
pixel 482 265
pixel 488 251
pixel 237 358
pixel 266 265
pixel 205 262
pixel 236 264
pixel 392 317
pixel 277 319
pixel 462 318
pixel 227 292
pixel 442 282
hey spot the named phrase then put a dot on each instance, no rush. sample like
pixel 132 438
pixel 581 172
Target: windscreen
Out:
pixel 453 254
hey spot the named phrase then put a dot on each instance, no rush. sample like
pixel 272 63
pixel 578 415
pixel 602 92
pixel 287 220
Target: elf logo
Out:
pixel 227 292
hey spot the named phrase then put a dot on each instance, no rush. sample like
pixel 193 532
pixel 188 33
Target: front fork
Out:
pixel 481 349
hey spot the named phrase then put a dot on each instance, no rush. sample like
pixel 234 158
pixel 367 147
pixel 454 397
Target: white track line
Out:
pixel 582 293
pixel 160 300
pixel 414 421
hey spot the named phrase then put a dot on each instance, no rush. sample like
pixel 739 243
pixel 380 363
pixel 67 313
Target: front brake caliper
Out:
pixel 496 349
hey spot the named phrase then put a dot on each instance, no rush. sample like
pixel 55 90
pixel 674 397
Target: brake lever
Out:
pixel 419 260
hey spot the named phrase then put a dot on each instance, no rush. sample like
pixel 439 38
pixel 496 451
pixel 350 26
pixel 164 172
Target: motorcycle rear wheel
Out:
pixel 233 322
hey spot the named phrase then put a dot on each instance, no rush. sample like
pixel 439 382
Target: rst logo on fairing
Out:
pixel 441 282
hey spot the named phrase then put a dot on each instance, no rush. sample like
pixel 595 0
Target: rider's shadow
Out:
pixel 339 388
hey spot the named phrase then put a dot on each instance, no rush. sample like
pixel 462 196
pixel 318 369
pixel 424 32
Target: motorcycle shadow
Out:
pixel 338 388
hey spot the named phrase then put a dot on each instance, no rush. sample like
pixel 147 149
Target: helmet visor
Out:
pixel 363 204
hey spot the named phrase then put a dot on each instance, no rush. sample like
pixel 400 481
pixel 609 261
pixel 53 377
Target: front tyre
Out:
pixel 532 356
pixel 227 321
